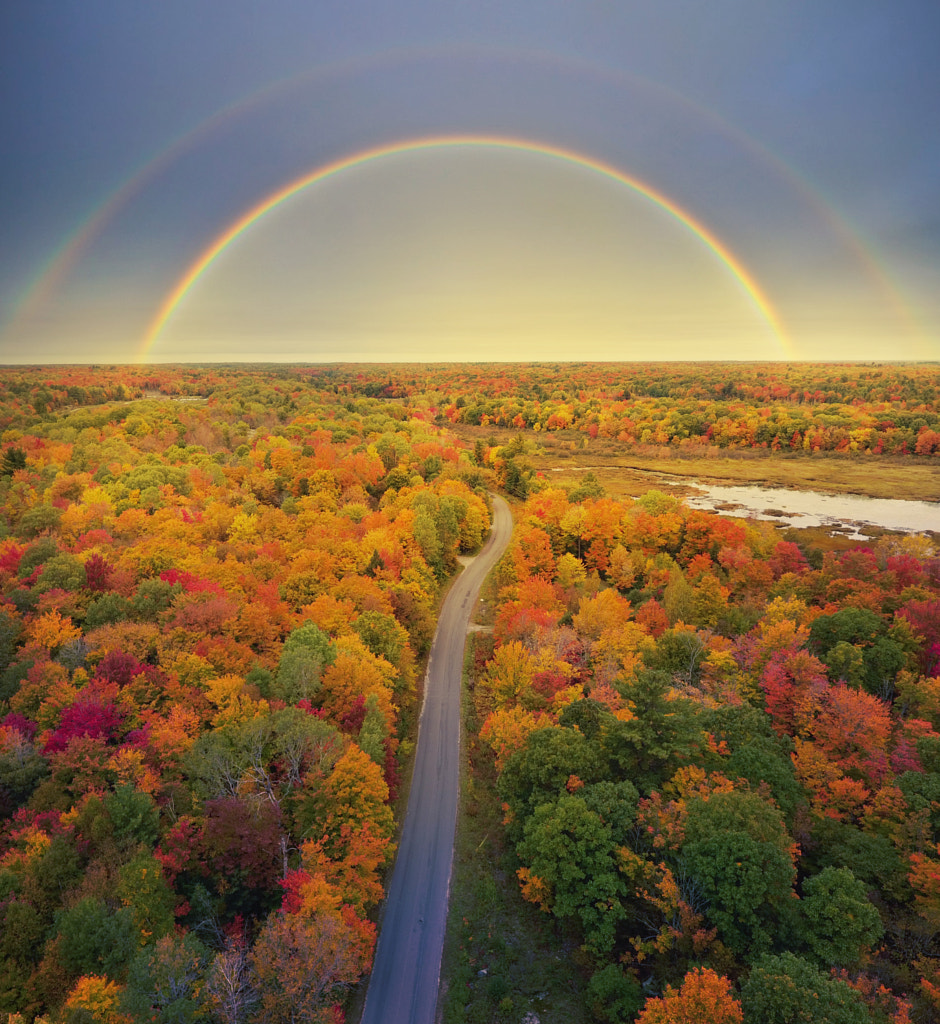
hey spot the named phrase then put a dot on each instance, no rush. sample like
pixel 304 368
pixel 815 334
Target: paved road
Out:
pixel 405 976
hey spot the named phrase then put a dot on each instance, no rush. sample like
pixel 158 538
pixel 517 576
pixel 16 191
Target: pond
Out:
pixel 849 514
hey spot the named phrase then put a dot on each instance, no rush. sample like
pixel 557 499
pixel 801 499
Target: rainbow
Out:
pixel 274 199
pixel 64 260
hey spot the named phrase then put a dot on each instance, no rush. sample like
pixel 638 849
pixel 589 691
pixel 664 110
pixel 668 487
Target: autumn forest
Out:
pixel 709 747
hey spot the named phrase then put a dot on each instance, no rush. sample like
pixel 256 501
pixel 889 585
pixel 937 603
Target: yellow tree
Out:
pixel 95 998
pixel 704 996
pixel 355 794
pixel 301 965
pixel 507 681
pixel 607 611
pixel 507 729
pixel 52 630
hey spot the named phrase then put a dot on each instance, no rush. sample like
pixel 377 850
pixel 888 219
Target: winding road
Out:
pixel 406 973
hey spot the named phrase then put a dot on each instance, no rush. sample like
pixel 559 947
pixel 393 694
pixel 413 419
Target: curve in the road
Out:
pixel 406 972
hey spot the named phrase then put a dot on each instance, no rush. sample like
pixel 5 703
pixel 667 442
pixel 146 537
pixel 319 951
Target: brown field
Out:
pixel 564 457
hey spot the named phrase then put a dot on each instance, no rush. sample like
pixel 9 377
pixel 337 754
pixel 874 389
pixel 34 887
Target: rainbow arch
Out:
pixel 222 241
pixel 62 262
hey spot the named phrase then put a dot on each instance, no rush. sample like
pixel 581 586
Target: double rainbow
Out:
pixel 336 167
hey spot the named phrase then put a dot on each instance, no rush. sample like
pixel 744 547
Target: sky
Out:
pixel 368 180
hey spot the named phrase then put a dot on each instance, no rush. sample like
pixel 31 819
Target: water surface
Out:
pixel 848 513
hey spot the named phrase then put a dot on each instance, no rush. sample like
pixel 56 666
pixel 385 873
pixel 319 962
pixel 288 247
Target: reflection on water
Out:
pixel 847 512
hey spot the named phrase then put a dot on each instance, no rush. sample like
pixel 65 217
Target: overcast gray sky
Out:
pixel 742 180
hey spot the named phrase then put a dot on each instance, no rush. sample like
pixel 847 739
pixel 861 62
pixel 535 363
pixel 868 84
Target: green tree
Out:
pixel 845 662
pixel 540 771
pixel 38 553
pixel 516 478
pixel 307 652
pixel 657 739
pixel 856 646
pixel 590 487
pixel 50 875
pixel 271 751
pixel 841 922
pixel 922 792
pixel 416 614
pixel 10 631
pixel 737 811
pixel 22 768
pixel 657 503
pixel 38 519
pixel 738 724
pixel 21 936
pixel 425 534
pixel 737 850
pixel 615 803
pixel 613 995
pixel 143 889
pixel 678 601
pixel 94 939
pixel 585 715
pixel 870 856
pixel 572 852
pixel 135 818
pixel 785 989
pixel 13 459
pixel 61 572
pixel 373 731
pixel 883 661
pixel 744 881
pixel 153 597
pixel 382 634
pixel 107 609
pixel 165 981
pixel 849 625
pixel 680 652
pixel 764 761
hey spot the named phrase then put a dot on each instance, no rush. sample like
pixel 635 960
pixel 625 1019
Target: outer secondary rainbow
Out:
pixel 63 261
pixel 222 241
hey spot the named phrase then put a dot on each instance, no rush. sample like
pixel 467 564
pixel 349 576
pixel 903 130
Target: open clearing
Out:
pixel 628 471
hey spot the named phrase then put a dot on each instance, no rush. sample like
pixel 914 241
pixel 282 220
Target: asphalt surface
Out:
pixel 406 972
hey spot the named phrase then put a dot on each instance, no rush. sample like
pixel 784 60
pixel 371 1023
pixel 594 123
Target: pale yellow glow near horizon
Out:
pixel 471 255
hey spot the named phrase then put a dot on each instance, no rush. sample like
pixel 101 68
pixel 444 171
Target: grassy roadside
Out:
pixel 504 961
